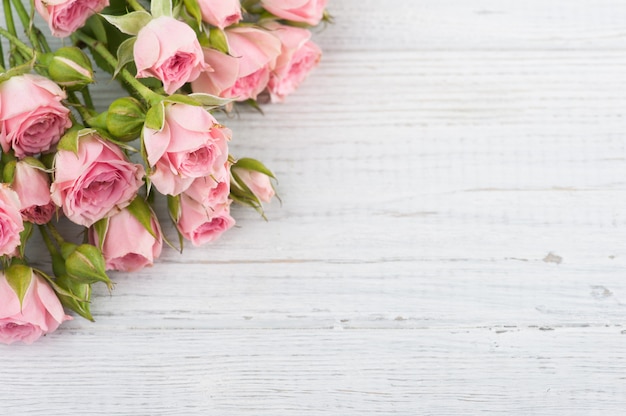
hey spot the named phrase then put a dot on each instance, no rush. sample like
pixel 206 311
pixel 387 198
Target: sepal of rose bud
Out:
pixel 80 291
pixel 19 278
pixel 252 179
pixel 85 263
pixel 70 68
pixel 125 118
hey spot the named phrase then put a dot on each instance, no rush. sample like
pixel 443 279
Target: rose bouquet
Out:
pixel 180 61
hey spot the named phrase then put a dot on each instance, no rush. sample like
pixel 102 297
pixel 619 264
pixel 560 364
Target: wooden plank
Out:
pixel 313 372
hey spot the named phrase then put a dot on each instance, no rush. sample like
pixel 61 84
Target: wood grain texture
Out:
pixel 451 239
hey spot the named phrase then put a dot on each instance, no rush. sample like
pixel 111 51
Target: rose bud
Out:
pixel 127 245
pixel 32 118
pixel 305 11
pixel 11 224
pixel 125 118
pixel 32 184
pixel 220 13
pixel 211 190
pixel 297 58
pixel 190 145
pixel 94 180
pixel 168 50
pixel 200 224
pixel 70 68
pixel 27 315
pixel 244 73
pixel 251 176
pixel 65 16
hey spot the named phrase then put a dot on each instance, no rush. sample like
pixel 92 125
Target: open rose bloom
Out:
pixel 191 145
pixel 32 185
pixel 32 117
pixel 220 13
pixel 304 11
pixel 96 182
pixel 244 73
pixel 168 50
pixel 65 16
pixel 40 312
pixel 128 246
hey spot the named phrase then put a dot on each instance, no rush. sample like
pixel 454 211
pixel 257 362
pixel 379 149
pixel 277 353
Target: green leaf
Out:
pixel 130 23
pixel 140 209
pixel 35 163
pixel 125 54
pixel 25 235
pixel 17 70
pixel 58 289
pixel 70 139
pixel 81 291
pixel 193 8
pixel 173 207
pixel 86 265
pixel 217 40
pixel 97 27
pixel 155 118
pixel 160 8
pixel 208 100
pixel 8 173
pixel 101 227
pixel 19 278
pixel 182 99
pixel 254 165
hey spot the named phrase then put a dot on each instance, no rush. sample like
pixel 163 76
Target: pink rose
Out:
pixel 200 224
pixel 211 190
pixel 245 73
pixel 298 57
pixel 65 16
pixel 11 224
pixel 169 51
pixel 32 118
pixel 259 183
pixel 32 185
pixel 306 11
pixel 40 313
pixel 220 13
pixel 190 145
pixel 95 182
pixel 128 246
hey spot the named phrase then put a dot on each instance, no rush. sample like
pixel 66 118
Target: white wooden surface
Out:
pixel 452 239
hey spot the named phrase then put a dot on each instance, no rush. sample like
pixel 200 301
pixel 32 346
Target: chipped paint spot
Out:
pixel 553 258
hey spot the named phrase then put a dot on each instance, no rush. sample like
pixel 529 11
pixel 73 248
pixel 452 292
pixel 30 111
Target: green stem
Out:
pixel 134 4
pixel 87 98
pixel 15 41
pixel 43 41
pixel 47 240
pixel 58 237
pixel 142 92
pixel 84 113
pixel 2 66
pixel 8 18
pixel 27 23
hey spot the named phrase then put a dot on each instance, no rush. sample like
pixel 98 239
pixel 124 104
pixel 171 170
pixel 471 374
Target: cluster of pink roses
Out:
pixel 63 158
pixel 269 56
